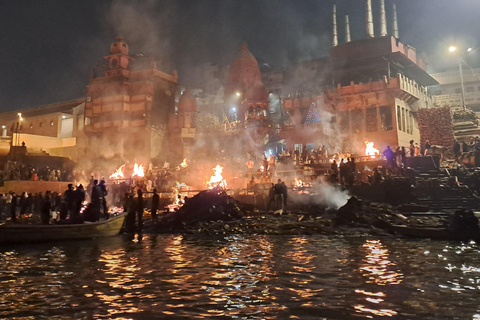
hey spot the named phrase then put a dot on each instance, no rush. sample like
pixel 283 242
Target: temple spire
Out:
pixel 335 35
pixel 395 22
pixel 383 19
pixel 347 29
pixel 369 20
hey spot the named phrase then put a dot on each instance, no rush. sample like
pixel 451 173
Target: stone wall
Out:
pixel 19 186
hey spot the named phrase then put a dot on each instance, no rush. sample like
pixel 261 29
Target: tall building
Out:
pixel 126 112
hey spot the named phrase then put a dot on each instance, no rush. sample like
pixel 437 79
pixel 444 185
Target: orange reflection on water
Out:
pixel 377 269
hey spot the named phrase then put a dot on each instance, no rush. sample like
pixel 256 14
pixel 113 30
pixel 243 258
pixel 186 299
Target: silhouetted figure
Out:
pixel 103 187
pixel 78 199
pixel 140 208
pixel 390 156
pixel 457 149
pixel 411 147
pixel 284 194
pixel 278 194
pixel 155 206
pixel 96 200
pixel 131 208
pixel 13 208
pixel 68 197
pixel 46 206
pixel 271 196
pixel 428 146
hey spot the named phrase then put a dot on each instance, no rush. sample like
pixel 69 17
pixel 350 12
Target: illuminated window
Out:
pixel 371 120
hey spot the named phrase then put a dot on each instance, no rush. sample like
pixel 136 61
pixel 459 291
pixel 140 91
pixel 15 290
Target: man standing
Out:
pixel 68 197
pixel 96 199
pixel 155 206
pixel 250 165
pixel 140 207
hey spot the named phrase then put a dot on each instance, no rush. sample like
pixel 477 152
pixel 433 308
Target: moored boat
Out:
pixel 33 233
pixel 435 233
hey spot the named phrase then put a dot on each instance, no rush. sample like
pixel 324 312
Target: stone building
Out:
pixel 126 112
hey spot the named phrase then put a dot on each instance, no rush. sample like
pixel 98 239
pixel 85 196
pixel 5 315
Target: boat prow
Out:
pixel 32 233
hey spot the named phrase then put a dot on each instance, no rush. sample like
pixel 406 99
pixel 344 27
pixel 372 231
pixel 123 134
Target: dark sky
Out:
pixel 50 47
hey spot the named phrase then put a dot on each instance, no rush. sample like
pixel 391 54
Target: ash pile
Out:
pixel 208 205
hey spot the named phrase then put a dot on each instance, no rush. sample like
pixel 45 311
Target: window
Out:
pixel 386 119
pixel 357 120
pixel 52 123
pixel 371 120
pixel 404 124
pixel 31 126
pixel 40 124
pixel 470 89
pixel 399 118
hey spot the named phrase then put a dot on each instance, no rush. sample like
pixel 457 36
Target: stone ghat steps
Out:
pixel 444 198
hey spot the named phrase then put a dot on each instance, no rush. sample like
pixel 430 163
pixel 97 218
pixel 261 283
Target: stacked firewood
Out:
pixel 436 126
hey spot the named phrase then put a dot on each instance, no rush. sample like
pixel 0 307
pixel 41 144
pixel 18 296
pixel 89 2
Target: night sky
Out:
pixel 49 48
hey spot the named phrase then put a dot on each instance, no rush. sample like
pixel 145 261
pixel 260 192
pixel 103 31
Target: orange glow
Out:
pixel 298 182
pixel 217 180
pixel 370 150
pixel 183 164
pixel 179 193
pixel 138 170
pixel 119 173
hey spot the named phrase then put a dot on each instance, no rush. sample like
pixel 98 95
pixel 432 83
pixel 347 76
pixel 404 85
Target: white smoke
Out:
pixel 330 196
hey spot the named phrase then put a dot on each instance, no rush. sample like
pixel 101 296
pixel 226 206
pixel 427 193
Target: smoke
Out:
pixel 329 195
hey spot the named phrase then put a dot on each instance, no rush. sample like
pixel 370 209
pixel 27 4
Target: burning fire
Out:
pixel 138 170
pixel 118 174
pixel 179 193
pixel 298 182
pixel 370 150
pixel 183 164
pixel 216 180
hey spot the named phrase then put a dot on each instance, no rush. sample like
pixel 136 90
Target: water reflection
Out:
pixel 241 277
pixel 378 269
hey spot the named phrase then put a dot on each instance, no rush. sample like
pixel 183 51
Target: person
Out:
pixel 250 165
pixel 456 149
pixel 389 155
pixel 465 147
pixel 155 206
pixel 403 153
pixel 284 194
pixel 428 146
pixel 271 163
pixel 103 187
pixel 411 147
pixel 13 207
pixel 334 167
pixel 278 188
pixel 68 197
pixel 46 206
pixel 78 199
pixel 96 199
pixel 139 208
pixel 131 207
pixel 417 150
pixel 352 169
pixel 271 196
pixel 265 164
pixel 251 184
pixel 377 176
pixel 343 172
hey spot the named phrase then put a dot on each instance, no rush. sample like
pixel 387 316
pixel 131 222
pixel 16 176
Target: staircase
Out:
pixel 436 190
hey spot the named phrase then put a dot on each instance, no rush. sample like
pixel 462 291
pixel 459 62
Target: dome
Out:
pixel 244 72
pixel 187 102
pixel 119 46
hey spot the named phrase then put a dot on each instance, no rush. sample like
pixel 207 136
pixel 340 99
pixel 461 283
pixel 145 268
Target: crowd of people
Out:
pixel 16 170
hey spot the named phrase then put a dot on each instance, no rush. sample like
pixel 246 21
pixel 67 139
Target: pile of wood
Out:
pixel 207 205
pixel 436 126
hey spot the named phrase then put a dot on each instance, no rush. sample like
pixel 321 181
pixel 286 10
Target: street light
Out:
pixel 454 49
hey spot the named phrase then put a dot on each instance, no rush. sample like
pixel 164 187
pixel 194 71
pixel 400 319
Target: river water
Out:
pixel 241 277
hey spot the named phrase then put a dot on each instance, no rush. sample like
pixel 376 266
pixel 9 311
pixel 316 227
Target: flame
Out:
pixel 179 193
pixel 370 150
pixel 183 164
pixel 118 174
pixel 298 182
pixel 138 170
pixel 216 180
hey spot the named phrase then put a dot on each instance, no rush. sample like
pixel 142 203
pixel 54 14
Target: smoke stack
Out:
pixel 395 22
pixel 335 36
pixel 369 20
pixel 347 29
pixel 383 19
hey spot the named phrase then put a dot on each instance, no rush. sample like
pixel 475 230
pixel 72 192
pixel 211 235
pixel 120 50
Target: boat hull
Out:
pixel 18 233
pixel 434 233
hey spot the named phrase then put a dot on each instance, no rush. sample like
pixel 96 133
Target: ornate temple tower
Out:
pixel 126 111
pixel 245 95
pixel 182 124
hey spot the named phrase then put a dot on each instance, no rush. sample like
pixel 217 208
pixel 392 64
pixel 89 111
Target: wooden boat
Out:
pixel 33 233
pixel 434 233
